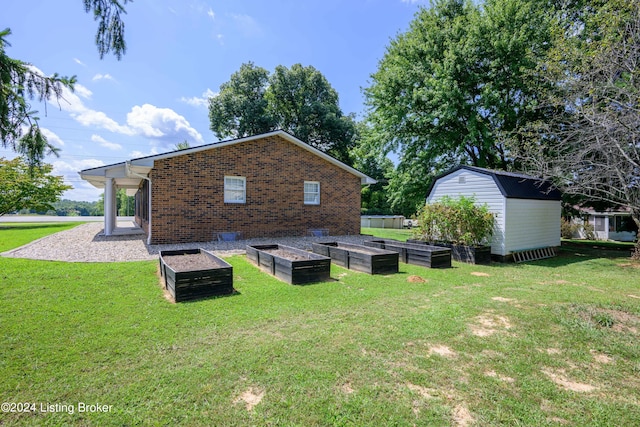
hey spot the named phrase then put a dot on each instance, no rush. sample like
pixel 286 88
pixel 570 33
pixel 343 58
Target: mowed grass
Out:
pixel 13 235
pixel 545 343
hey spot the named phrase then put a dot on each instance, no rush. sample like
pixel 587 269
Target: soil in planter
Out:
pixel 192 262
pixel 286 254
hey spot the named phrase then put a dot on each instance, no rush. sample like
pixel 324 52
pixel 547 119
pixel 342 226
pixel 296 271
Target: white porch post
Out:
pixel 109 207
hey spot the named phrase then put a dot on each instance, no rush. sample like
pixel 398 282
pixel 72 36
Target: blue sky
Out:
pixel 179 52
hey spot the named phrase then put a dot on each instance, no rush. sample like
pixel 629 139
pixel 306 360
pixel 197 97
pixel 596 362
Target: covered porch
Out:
pixel 112 178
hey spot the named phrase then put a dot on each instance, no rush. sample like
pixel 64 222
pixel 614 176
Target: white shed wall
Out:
pixel 472 184
pixel 532 224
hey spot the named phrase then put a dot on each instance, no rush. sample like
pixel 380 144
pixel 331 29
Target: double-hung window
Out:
pixel 235 189
pixel 311 193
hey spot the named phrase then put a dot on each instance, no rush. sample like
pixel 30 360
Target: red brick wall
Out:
pixel 188 193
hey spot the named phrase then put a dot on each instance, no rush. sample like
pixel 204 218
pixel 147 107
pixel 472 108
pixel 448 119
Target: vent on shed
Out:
pixel 462 179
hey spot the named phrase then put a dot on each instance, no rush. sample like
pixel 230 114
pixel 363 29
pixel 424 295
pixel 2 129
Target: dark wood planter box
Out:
pixel 212 280
pixel 360 258
pixel 415 253
pixel 462 253
pixel 290 265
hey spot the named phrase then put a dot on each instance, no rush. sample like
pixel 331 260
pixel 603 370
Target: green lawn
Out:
pixel 13 235
pixel 389 233
pixel 545 343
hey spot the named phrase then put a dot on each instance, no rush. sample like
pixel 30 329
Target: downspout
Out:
pixel 130 172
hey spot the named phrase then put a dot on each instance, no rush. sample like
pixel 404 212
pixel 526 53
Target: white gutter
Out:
pixel 130 172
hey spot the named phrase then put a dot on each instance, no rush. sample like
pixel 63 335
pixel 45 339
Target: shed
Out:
pixel 527 209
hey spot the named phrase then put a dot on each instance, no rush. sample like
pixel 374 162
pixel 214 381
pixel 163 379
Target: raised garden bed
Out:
pixel 462 253
pixel 360 258
pixel 414 253
pixel 290 265
pixel 191 274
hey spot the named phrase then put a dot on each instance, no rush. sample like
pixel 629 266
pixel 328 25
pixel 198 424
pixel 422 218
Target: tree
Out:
pixel 240 108
pixel 182 145
pixel 23 187
pixel 21 82
pixel 592 147
pixel 454 88
pixel 298 100
pixel 369 160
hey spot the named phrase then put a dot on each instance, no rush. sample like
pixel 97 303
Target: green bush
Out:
pixel 568 229
pixel 458 221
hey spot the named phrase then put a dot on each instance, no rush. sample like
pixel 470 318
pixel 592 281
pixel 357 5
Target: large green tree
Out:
pixel 455 88
pixel 23 187
pixel 298 100
pixel 591 147
pixel 241 107
pixel 21 83
pixel 369 159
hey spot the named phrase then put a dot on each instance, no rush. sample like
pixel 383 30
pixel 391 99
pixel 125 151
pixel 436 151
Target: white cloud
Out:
pixel 202 101
pixel 137 153
pixel 52 138
pixel 104 143
pixel 83 91
pixel 162 124
pixel 103 77
pixel 247 25
pixel 77 61
pixel 99 119
pixel 82 190
pixel 211 14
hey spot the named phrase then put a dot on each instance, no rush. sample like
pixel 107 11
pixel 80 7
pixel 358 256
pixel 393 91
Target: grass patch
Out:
pixel 13 235
pixel 516 345
pixel 389 233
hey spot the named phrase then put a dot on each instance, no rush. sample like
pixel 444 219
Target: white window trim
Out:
pixel 244 189
pixel 317 199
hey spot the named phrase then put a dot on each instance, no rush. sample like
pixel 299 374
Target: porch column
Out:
pixel 109 207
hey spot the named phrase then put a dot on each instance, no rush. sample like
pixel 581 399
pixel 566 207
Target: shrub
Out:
pixel 568 229
pixel 589 231
pixel 458 221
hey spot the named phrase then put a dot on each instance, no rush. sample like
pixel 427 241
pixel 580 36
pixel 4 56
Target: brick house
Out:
pixel 266 185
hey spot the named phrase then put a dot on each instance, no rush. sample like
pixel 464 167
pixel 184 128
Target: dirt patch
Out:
pixel 427 393
pixel 461 416
pixel 615 319
pixel 479 274
pixel 251 397
pixel 442 350
pixel 488 324
pixel 347 389
pixel 416 279
pixel 283 253
pixel 504 378
pixel 551 351
pixel 629 265
pixel 502 299
pixel 192 262
pixel 561 380
pixel 601 357
pixel 634 296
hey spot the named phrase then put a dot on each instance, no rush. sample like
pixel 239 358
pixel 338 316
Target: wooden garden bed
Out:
pixel 360 258
pixel 195 273
pixel 414 253
pixel 290 265
pixel 462 253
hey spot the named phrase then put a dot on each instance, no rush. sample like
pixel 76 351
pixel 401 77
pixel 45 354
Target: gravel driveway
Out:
pixel 85 243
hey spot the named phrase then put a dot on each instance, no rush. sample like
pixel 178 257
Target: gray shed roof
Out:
pixel 513 185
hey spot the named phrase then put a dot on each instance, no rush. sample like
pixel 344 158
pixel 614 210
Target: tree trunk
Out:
pixel 635 215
